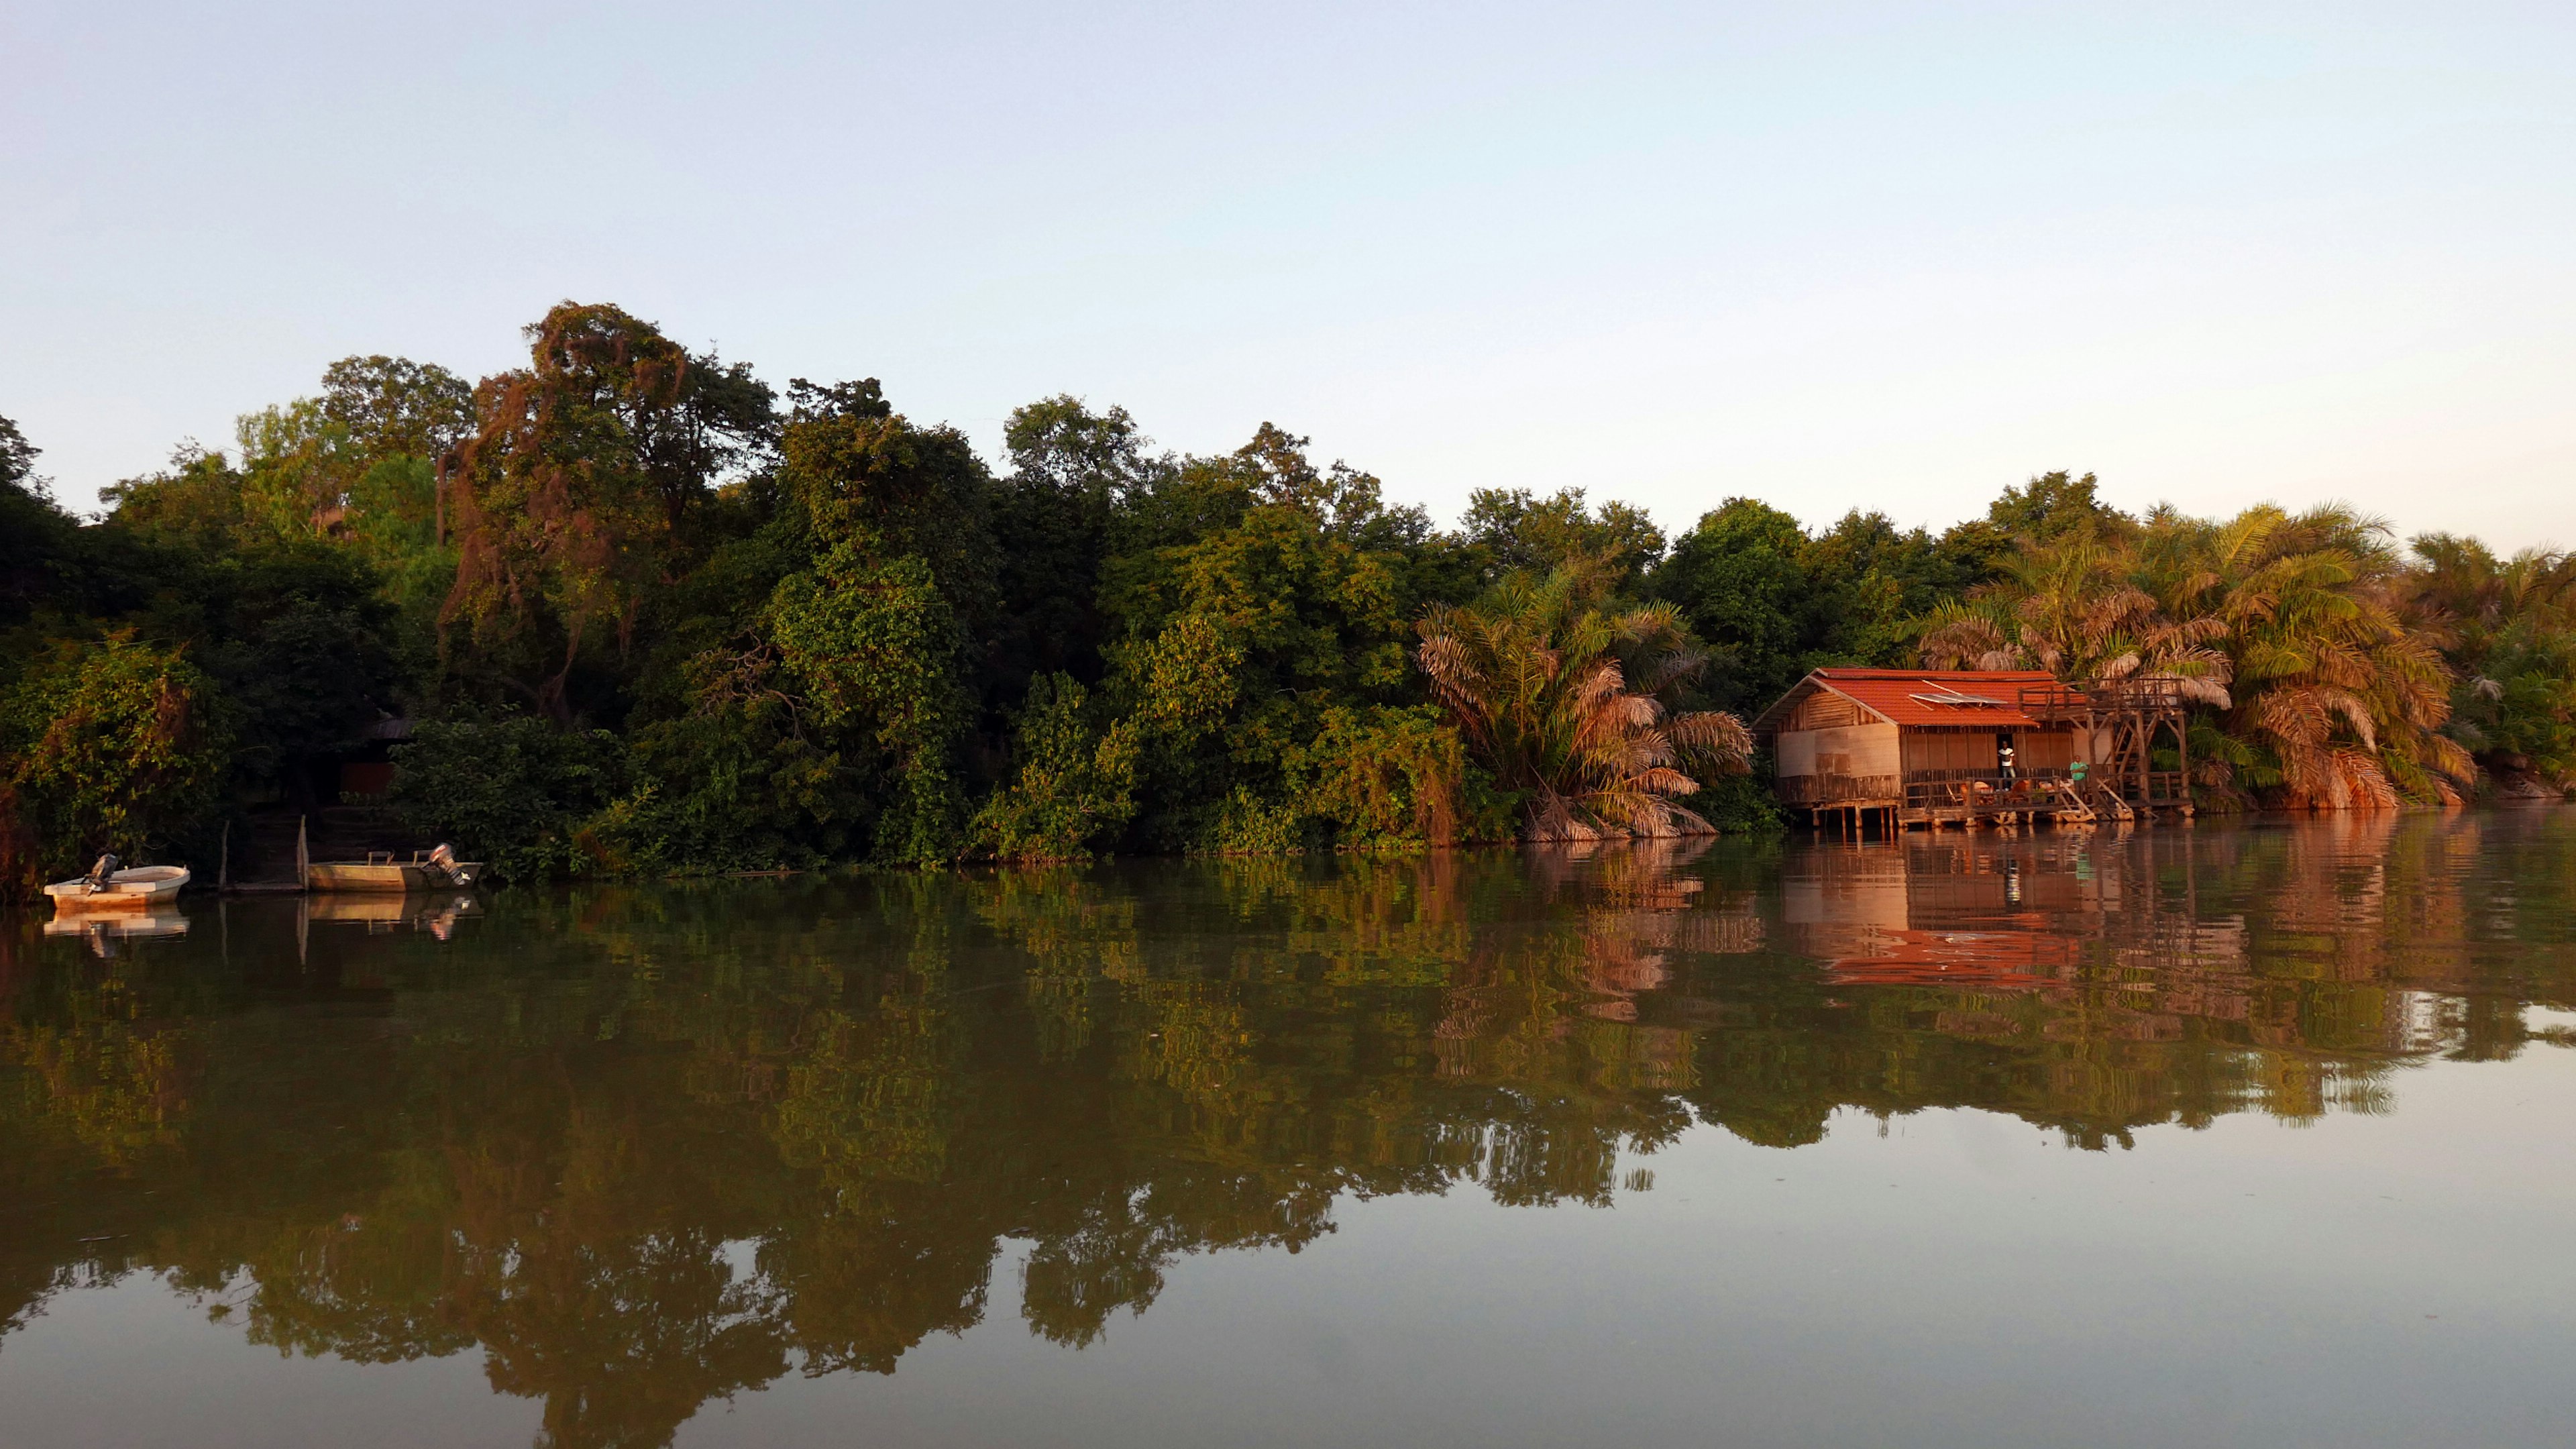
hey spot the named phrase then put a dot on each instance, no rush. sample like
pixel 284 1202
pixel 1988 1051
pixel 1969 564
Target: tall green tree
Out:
pixel 1054 516
pixel 832 719
pixel 1771 601
pixel 1266 592
pixel 1741 579
pixel 38 541
pixel 2509 627
pixel 1257 695
pixel 2047 508
pixel 573 497
pixel 395 407
pixel 1514 528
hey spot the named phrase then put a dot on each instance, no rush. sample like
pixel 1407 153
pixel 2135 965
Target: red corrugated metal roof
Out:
pixel 1931 696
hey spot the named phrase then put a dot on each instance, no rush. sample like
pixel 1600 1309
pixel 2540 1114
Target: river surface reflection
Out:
pixel 2258 1134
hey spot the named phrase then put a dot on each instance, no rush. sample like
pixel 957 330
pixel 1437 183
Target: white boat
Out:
pixel 140 889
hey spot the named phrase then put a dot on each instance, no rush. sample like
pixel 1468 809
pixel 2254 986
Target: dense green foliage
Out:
pixel 112 746
pixel 651 616
pixel 1771 602
pixel 2509 626
pixel 514 792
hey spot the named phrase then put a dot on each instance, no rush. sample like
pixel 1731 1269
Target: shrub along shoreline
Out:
pixel 647 615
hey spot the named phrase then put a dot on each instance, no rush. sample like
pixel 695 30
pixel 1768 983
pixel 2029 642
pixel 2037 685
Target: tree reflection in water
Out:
pixel 649 1148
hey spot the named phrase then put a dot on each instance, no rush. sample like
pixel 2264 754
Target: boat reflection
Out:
pixel 434 912
pixel 103 932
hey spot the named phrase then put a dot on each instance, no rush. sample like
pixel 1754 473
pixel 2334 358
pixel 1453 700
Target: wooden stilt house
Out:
pixel 1901 747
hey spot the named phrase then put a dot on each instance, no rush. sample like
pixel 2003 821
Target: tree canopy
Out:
pixel 702 624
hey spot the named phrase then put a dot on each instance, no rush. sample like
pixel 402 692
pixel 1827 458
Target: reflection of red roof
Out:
pixel 1924 696
pixel 2006 960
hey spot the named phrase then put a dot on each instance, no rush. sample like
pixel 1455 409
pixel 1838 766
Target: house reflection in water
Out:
pixel 1981 911
pixel 2051 915
pixel 2109 936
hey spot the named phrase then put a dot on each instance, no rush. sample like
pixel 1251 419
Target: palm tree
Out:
pixel 2290 630
pixel 2340 696
pixel 2077 608
pixel 1563 696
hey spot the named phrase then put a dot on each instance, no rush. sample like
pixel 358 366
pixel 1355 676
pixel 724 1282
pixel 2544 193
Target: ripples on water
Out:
pixel 1963 1139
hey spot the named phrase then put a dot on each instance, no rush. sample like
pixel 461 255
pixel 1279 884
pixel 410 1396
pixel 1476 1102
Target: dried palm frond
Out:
pixel 1535 680
pixel 2296 629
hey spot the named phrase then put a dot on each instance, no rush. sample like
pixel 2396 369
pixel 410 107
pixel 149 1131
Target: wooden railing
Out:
pixel 1988 789
pixel 1989 777
pixel 2060 703
pixel 2164 787
pixel 1985 789
pixel 1912 787
pixel 1958 789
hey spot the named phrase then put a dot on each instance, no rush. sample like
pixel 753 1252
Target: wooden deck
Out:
pixel 1993 801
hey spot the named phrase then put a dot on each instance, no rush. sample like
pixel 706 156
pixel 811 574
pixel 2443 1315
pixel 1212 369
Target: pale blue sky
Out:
pixel 1892 256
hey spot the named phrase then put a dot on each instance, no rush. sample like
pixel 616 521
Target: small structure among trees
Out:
pixel 1935 747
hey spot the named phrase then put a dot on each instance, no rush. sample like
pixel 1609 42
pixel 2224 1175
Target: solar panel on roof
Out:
pixel 1954 697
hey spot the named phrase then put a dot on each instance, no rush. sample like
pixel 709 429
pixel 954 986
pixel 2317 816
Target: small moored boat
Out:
pixel 107 888
pixel 427 870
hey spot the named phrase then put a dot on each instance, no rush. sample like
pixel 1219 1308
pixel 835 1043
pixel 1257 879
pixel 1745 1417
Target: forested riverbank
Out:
pixel 631 611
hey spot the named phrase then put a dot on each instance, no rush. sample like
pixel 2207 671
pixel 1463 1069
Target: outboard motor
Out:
pixel 443 861
pixel 98 874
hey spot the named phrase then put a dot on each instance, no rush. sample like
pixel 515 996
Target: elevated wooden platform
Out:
pixel 1895 749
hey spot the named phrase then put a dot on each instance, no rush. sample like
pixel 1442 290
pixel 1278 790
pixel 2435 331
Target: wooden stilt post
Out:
pixel 303 857
pixel 224 865
pixel 2139 727
pixel 2182 757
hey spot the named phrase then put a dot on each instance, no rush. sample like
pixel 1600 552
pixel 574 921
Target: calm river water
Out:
pixel 2230 1134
